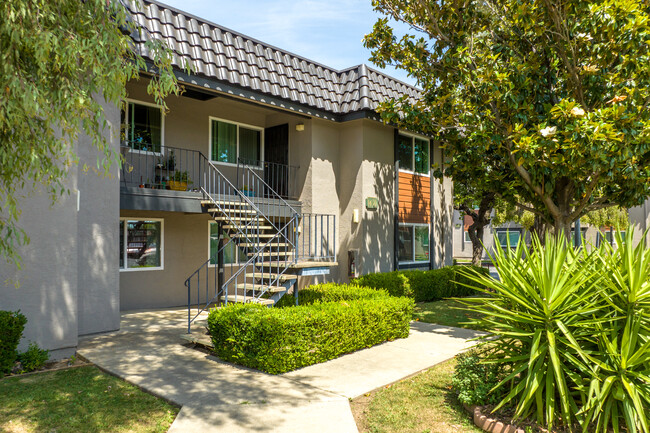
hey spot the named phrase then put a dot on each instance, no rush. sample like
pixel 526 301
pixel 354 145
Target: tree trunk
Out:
pixel 480 219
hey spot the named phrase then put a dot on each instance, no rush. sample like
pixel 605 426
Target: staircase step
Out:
pixel 261 287
pixel 236 211
pixel 249 299
pixel 298 265
pixel 271 276
pixel 273 254
pixel 272 245
pixel 225 203
pixel 223 218
pixel 232 227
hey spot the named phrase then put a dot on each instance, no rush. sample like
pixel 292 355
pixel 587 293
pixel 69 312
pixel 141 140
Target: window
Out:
pixel 229 253
pixel 141 244
pixel 413 243
pixel 606 235
pixel 508 236
pixel 142 127
pixel 466 236
pixel 229 141
pixel 413 154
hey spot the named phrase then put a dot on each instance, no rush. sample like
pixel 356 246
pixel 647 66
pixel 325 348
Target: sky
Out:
pixel 325 31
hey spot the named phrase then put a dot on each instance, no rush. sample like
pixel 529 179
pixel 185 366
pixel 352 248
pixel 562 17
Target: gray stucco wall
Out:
pixel 68 282
pixel 97 235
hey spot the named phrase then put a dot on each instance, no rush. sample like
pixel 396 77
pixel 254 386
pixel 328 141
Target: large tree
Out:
pixel 558 89
pixel 58 60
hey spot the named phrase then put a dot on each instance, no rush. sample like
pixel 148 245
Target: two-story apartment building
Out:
pixel 269 172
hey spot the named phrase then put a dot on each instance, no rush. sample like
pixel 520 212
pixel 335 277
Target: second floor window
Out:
pixel 142 127
pixel 230 142
pixel 413 154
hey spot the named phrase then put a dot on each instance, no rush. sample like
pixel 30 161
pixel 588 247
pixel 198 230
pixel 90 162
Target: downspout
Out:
pixel 396 205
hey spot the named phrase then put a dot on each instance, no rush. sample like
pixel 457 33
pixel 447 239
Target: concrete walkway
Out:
pixel 219 397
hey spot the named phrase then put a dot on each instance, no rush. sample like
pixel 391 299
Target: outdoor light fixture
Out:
pixel 300 127
pixel 355 216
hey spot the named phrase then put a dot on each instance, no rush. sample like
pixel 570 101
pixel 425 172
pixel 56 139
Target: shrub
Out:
pixel 395 283
pixel 473 379
pixel 331 292
pixel 277 340
pixel 426 286
pixel 34 358
pixel 12 325
pixel 575 324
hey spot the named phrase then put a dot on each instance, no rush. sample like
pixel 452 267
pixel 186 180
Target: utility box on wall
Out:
pixel 353 258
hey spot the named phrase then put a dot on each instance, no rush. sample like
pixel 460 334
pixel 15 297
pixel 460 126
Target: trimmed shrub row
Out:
pixel 277 340
pixel 12 324
pixel 331 292
pixel 424 286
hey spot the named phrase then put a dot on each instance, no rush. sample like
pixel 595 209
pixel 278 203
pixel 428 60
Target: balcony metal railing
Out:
pixel 168 168
pixel 277 179
pixel 317 239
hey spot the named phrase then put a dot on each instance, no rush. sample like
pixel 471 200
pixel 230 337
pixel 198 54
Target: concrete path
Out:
pixel 219 397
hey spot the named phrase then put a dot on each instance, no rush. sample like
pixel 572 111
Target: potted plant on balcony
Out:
pixel 179 181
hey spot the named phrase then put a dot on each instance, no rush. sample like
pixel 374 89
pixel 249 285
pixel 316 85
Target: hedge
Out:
pixel 277 340
pixel 331 292
pixel 424 286
pixel 12 325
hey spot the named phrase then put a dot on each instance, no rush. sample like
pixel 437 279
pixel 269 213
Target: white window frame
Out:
pixel 237 124
pixel 415 262
pixel 466 238
pixel 413 137
pixel 236 249
pixel 126 244
pixel 162 126
pixel 496 235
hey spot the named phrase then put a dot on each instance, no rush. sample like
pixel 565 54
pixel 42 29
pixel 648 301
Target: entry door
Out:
pixel 276 159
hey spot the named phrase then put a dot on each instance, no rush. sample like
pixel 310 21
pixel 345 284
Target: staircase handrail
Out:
pixel 245 164
pixel 261 249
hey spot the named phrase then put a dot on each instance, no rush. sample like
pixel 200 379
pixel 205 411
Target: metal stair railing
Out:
pixel 283 244
pixel 230 202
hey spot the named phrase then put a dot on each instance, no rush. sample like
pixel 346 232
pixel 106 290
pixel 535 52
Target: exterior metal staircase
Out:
pixel 261 239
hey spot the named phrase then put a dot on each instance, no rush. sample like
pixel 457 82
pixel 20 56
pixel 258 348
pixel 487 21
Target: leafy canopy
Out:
pixel 58 60
pixel 558 91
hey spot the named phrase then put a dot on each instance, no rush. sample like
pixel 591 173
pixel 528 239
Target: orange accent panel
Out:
pixel 414 198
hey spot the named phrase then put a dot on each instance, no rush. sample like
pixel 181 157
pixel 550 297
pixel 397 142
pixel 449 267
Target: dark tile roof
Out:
pixel 218 53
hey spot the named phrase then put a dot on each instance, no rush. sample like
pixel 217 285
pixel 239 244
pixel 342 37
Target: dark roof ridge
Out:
pixel 217 52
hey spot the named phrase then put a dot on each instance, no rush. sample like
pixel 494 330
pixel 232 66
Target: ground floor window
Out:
pixel 141 244
pixel 230 253
pixel 508 237
pixel 413 243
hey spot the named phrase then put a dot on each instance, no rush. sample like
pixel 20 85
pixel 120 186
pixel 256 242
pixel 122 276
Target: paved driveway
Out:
pixel 219 397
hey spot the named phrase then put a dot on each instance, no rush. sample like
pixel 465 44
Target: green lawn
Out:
pixel 420 404
pixel 444 312
pixel 81 399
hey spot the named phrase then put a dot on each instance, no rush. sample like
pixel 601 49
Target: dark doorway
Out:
pixel 276 159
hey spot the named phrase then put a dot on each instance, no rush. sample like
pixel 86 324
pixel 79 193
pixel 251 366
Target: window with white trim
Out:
pixel 229 253
pixel 413 243
pixel 505 236
pixel 413 154
pixel 466 237
pixel 141 244
pixel 142 126
pixel 231 141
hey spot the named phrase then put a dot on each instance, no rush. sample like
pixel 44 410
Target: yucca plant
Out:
pixel 573 323
pixel 619 389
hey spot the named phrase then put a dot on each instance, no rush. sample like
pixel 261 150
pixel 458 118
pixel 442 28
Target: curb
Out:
pixel 490 425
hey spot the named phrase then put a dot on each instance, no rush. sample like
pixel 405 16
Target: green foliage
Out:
pixel 551 96
pixel 575 324
pixel 474 379
pixel 277 340
pixel 331 292
pixel 424 286
pixel 395 283
pixel 615 216
pixel 507 212
pixel 60 60
pixel 12 325
pixel 34 358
